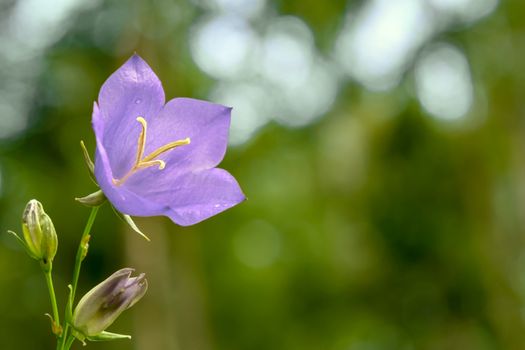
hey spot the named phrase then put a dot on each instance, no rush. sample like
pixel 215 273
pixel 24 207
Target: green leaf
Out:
pixel 23 244
pixel 87 158
pixel 89 163
pixel 69 305
pixel 55 327
pixel 128 220
pixel 94 199
pixel 108 336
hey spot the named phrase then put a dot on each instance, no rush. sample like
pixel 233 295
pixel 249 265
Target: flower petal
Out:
pixel 122 199
pixel 132 91
pixel 195 196
pixel 206 124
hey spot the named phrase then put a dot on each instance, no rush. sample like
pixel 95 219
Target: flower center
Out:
pixel 142 162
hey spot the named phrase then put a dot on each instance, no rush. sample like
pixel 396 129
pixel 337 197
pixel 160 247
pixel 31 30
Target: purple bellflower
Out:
pixel 154 158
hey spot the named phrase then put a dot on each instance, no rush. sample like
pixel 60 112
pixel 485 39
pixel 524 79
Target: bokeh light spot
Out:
pixel 467 10
pixel 13 118
pixel 375 47
pixel 444 85
pixel 287 53
pixel 251 108
pixel 221 46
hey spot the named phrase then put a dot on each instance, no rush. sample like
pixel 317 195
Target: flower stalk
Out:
pixel 55 320
pixel 82 250
pixel 81 255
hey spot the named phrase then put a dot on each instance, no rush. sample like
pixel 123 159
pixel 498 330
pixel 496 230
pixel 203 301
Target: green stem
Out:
pixel 82 250
pixel 49 281
pixel 70 341
pixel 81 254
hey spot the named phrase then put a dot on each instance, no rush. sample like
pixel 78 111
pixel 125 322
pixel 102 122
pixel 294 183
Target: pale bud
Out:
pixel 101 306
pixel 39 233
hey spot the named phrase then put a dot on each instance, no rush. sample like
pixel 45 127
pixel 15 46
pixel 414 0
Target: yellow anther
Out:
pixel 142 162
pixel 142 139
pixel 166 148
pixel 160 163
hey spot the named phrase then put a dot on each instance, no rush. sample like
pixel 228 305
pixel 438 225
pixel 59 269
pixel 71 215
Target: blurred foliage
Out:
pixel 375 227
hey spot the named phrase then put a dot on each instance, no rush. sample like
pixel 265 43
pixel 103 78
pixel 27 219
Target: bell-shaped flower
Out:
pixel 101 306
pixel 154 158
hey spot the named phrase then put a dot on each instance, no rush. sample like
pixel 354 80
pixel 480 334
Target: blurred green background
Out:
pixel 381 145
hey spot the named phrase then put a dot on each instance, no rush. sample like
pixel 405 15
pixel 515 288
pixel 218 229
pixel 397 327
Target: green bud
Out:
pixel 39 233
pixel 101 306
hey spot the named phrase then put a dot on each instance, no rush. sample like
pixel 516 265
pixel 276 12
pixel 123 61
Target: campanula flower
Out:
pixel 101 306
pixel 154 158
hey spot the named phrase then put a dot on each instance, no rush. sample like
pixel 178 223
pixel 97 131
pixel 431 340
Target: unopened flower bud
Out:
pixel 39 233
pixel 101 306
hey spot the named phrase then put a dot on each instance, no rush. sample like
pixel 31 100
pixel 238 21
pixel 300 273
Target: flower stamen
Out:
pixel 142 139
pixel 142 162
pixel 160 163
